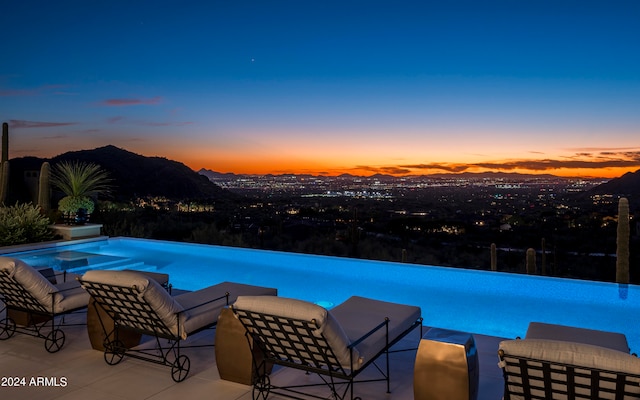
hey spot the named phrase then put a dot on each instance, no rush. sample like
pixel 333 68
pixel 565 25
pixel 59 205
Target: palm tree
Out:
pixel 79 181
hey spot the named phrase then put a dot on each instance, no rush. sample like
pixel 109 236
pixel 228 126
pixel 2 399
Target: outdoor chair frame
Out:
pixel 535 379
pixel 41 320
pixel 128 309
pixel 296 346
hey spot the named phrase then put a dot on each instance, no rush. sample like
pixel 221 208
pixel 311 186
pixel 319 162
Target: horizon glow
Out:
pixel 406 88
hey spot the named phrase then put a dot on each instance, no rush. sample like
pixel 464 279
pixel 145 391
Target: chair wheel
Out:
pixel 261 388
pixel 180 368
pixel 54 341
pixel 114 352
pixel 7 328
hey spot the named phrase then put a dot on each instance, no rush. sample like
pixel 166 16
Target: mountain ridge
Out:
pixel 134 175
pixel 489 174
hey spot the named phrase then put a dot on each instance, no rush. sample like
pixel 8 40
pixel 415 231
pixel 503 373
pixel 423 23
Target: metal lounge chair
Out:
pixel 138 303
pixel 541 369
pixel 24 290
pixel 337 345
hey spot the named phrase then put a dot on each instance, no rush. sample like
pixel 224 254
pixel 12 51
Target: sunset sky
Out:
pixel 329 87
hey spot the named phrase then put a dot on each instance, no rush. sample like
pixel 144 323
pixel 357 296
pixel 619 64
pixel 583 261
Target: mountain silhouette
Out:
pixel 627 185
pixel 133 175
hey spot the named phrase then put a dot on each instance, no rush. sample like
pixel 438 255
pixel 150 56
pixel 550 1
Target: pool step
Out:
pixel 138 266
pixel 110 265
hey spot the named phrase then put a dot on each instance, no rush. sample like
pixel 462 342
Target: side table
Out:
pixel 234 357
pixel 446 366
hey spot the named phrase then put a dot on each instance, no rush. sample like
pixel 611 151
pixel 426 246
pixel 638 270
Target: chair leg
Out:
pixel 261 387
pixel 7 328
pixel 261 380
pixel 388 376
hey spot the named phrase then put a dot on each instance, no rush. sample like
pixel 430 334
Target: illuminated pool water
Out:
pixel 490 303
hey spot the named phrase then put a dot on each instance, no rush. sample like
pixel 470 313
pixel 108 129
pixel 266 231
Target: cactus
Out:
pixel 5 142
pixel 4 181
pixel 494 258
pixel 543 259
pixel 531 261
pixel 622 241
pixel 44 190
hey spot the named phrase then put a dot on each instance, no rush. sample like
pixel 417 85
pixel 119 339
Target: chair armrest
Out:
pixel 65 287
pixel 371 332
pixel 226 295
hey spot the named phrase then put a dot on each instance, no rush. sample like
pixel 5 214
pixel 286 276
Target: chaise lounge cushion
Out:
pixel 327 325
pixel 185 313
pixel 610 340
pixel 155 295
pixel 200 308
pixel 67 296
pixel 358 315
pixel 577 354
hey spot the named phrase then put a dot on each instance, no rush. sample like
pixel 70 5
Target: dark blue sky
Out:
pixel 328 86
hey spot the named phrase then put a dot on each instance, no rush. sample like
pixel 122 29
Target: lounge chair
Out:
pixel 337 345
pixel 561 362
pixel 26 292
pixel 138 303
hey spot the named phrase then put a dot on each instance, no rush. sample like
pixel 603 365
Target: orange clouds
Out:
pixel 605 163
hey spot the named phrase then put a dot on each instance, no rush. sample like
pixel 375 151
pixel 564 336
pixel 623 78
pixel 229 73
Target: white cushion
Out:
pixel 306 311
pixel 151 291
pixel 32 281
pixel 579 354
pixel 202 311
pixel 358 315
pixel 561 352
pixel 130 279
pixel 167 308
pixel 610 340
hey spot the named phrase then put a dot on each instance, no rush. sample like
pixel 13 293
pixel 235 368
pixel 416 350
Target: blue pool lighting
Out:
pixel 480 302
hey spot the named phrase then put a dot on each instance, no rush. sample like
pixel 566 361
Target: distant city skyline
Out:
pixel 326 88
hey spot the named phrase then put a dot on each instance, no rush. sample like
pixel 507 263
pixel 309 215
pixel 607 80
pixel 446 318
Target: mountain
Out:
pixel 134 175
pixel 627 185
pixel 213 175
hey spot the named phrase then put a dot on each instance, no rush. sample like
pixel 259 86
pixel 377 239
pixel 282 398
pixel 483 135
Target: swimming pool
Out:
pixel 481 302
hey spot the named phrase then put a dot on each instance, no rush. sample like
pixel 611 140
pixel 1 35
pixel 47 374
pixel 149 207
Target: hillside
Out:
pixel 627 185
pixel 133 175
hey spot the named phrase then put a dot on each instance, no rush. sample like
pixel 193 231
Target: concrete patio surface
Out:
pixel 78 372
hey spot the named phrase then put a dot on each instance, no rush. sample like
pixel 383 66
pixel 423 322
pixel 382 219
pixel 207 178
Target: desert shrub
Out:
pixel 23 223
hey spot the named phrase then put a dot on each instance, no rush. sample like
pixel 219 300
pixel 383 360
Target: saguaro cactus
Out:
pixel 622 250
pixel 44 189
pixel 4 181
pixel 543 257
pixel 5 142
pixel 494 257
pixel 531 261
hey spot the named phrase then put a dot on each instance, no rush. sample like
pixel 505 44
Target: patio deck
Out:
pixel 88 376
